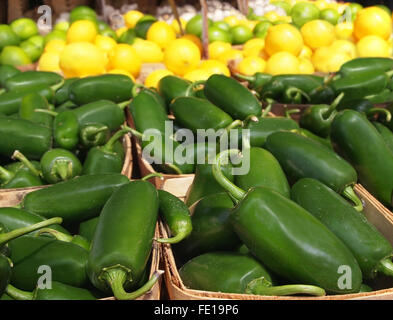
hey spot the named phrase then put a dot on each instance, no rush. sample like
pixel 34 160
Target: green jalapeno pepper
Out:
pixel 7 72
pixel 386 134
pixel 66 130
pixel 351 132
pixel 5 271
pixel 308 134
pixel 68 105
pixel 257 81
pixel 236 273
pixel 323 94
pixel 171 87
pixel 301 157
pixel 112 87
pixel 360 65
pixel 16 166
pixel 58 291
pixel 32 102
pixel 177 215
pixel 384 96
pixel 154 94
pixel 77 239
pixel 117 262
pixel 267 222
pixel 93 135
pixel 75 200
pixel 365 106
pixel 88 228
pixel 62 95
pixel 372 251
pixel 31 79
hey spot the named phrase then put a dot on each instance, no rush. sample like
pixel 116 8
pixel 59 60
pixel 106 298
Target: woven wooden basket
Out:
pixel 374 211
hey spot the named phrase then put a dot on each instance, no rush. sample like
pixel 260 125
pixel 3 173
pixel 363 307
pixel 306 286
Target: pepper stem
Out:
pixel 222 180
pixel 51 113
pixel 135 89
pixel 109 146
pixel 20 157
pixel 58 85
pixel 385 266
pixel 295 93
pixel 124 104
pixel 63 169
pixel 235 124
pixel 263 287
pixel 5 175
pixel 18 294
pixel 267 110
pixel 385 112
pixel 389 73
pixel 176 239
pixel 174 168
pixel 153 175
pixel 116 278
pixel 334 105
pixel 351 195
pixel 291 111
pixel 192 87
pixel 6 237
pixel 57 234
pixel 133 132
pixel 249 79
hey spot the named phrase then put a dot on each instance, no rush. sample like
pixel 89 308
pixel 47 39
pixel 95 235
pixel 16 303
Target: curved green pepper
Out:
pixel 31 79
pixel 68 105
pixel 257 81
pixel 372 251
pixel 93 135
pixel 301 157
pixel 57 292
pixel 384 96
pixel 62 95
pixel 308 134
pixel 267 222
pixel 7 72
pixel 66 130
pixel 75 200
pixel 360 65
pixel 321 95
pixel 16 166
pixel 60 165
pixel 32 102
pixel 386 134
pixel 236 273
pixel 88 228
pixel 232 97
pixel 177 215
pixel 77 239
pixel 351 132
pixel 171 87
pixel 123 241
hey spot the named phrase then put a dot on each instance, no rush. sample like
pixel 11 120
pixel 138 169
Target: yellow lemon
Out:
pixel 232 20
pixel 161 33
pixel 344 30
pixel 283 37
pixel 282 63
pixel 249 23
pixel 120 31
pixel 272 16
pixel 217 48
pixel 336 60
pixel 318 33
pixel 106 44
pixel 82 31
pixel 306 52
pixel 344 46
pixel 132 17
pixel 373 46
pixel 215 67
pixel 373 21
pixel 321 4
pixel 176 27
pixel 182 56
pixel 253 47
pixel 55 46
pixel 232 54
pixel 148 51
pixel 306 66
pixel 198 75
pixel 251 65
pixel 194 39
pixel 124 57
pixel 122 72
pixel 49 61
pixel 82 59
pixel 154 78
pixel 320 59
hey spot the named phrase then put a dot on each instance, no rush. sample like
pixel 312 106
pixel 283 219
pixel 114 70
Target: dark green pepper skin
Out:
pixel 68 105
pixel 124 234
pixel 112 87
pixel 62 95
pixel 200 94
pixel 267 222
pixel 60 165
pixel 171 87
pixel 30 139
pixel 31 79
pixel 5 272
pixel 301 157
pixel 386 134
pixel 88 228
pixel 76 200
pixel 222 272
pixel 6 297
pixel 351 132
pixel 7 72
pixel 212 230
pixel 321 95
pixel 265 171
pixel 66 130
pixel 232 97
pixel 257 81
pixel 13 219
pixel 384 96
pixel 365 242
pixel 360 65
pixel 194 113
pixel 93 135
pixel 67 261
pixel 103 111
pixel 23 179
pixel 314 119
pixel 204 183
pixel 308 134
pixel 154 93
pixel 19 166
pixel 359 105
pixel 32 102
pixel 10 101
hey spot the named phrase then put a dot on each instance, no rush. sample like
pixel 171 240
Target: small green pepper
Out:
pixel 93 135
pixel 33 78
pixel 32 102
pixel 66 130
pixel 7 72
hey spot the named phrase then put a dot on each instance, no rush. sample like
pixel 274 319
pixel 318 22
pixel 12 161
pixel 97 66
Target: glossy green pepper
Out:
pixel 321 95
pixel 257 81
pixel 66 130
pixel 384 96
pixel 93 135
pixel 77 239
pixel 88 228
pixel 308 134
pixel 32 102
pixel 171 87
pixel 62 95
pixel 360 65
pixel 267 222
pixel 386 134
pixel 7 72
pixel 31 79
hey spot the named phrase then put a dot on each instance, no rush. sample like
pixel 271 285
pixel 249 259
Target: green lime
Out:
pixel 7 37
pixel 261 18
pixel 222 25
pixel 241 34
pixel 217 34
pixel 330 15
pixel 141 28
pixel 261 28
pixel 303 12
pixel 109 33
pixel 33 52
pixel 352 10
pixel 385 8
pixel 82 13
pixel 56 35
pixel 24 28
pixel 195 25
pixel 62 26
pixel 14 56
pixel 283 5
pixel 102 25
pixel 38 41
pixel 128 37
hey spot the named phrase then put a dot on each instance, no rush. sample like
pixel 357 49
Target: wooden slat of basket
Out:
pixel 378 215
pixel 16 8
